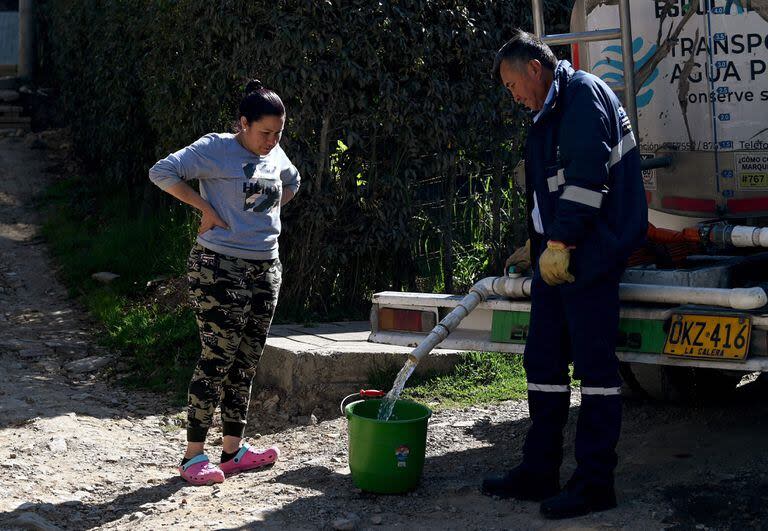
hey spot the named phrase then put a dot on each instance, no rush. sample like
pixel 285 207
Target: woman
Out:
pixel 234 270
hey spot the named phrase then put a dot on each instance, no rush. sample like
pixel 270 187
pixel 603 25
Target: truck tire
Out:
pixel 688 385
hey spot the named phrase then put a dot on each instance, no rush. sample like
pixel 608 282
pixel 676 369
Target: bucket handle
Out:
pixel 363 393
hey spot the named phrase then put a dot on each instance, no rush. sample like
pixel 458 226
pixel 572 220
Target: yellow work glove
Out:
pixel 521 258
pixel 553 264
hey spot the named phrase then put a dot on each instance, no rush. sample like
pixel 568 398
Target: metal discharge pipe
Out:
pixel 739 236
pixel 656 162
pixel 737 298
pixel 519 287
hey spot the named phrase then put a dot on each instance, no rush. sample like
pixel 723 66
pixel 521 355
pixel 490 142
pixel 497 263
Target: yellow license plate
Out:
pixel 723 337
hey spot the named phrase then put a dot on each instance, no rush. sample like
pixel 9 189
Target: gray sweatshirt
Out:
pixel 243 188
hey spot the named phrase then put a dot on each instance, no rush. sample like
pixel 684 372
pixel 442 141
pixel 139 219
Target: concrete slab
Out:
pixel 341 337
pixel 328 361
pixel 314 341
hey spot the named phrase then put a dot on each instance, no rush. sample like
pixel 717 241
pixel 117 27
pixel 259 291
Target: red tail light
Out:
pixel 406 320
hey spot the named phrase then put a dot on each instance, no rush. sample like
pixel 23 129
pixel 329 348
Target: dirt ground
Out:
pixel 79 453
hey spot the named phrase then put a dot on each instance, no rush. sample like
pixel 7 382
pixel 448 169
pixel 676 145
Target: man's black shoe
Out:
pixel 521 485
pixel 578 500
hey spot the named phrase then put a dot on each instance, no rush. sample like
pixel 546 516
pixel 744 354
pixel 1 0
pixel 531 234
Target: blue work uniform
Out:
pixel 583 175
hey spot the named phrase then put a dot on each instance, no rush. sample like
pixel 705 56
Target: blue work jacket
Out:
pixel 583 162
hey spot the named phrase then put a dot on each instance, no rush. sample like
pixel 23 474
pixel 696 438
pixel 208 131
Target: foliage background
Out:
pixel 405 144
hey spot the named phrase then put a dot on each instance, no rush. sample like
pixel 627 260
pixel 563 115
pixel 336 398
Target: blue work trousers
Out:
pixel 578 323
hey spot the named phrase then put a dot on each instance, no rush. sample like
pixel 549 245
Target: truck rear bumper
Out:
pixel 500 325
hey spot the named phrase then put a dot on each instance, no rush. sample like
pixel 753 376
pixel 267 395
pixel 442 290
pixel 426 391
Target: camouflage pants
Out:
pixel 234 300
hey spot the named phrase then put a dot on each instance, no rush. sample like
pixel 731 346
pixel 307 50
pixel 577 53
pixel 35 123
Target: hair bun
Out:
pixel 252 86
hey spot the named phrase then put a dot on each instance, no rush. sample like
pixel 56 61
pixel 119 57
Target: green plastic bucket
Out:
pixel 387 457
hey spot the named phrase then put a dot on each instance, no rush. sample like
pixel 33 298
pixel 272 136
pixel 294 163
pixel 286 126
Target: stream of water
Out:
pixel 388 403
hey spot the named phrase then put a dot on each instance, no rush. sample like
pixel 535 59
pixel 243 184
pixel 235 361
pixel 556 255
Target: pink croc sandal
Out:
pixel 199 471
pixel 248 458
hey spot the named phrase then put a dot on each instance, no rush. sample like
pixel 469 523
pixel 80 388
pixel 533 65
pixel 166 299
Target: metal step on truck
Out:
pixel 693 76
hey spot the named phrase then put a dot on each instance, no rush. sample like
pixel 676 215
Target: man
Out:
pixel 588 212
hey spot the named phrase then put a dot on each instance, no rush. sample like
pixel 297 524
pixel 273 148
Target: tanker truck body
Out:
pixel 694 319
pixel 701 98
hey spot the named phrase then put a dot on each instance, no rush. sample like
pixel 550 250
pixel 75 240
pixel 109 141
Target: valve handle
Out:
pixel 371 393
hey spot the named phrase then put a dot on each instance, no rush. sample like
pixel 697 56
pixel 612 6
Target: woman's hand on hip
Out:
pixel 210 220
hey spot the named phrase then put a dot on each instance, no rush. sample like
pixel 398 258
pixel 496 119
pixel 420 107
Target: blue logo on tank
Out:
pixel 611 68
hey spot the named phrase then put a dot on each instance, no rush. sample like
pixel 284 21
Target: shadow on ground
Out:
pixel 82 515
pixel 28 393
pixel 680 467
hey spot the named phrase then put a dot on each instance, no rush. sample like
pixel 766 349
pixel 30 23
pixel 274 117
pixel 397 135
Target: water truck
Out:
pixel 693 77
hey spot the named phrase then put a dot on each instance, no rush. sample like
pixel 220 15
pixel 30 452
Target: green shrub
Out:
pixel 404 143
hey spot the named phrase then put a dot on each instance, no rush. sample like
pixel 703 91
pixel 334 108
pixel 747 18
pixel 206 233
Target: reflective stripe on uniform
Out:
pixel 577 194
pixel 548 388
pixel 538 226
pixel 624 146
pixel 554 182
pixel 605 391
